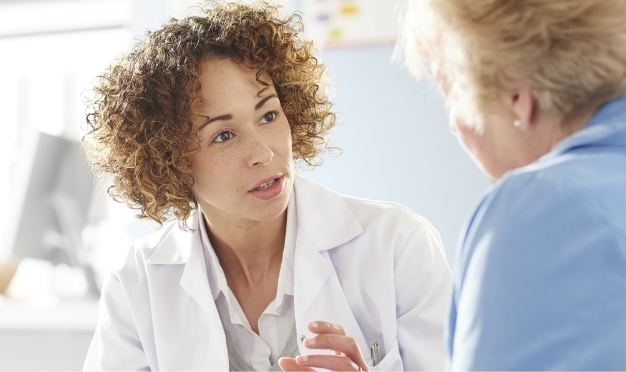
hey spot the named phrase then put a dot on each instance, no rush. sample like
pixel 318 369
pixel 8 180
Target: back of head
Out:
pixel 572 52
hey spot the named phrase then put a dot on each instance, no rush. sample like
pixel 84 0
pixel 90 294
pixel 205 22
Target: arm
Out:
pixel 423 283
pixel 116 345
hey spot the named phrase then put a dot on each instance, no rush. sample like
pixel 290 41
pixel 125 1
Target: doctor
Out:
pixel 202 120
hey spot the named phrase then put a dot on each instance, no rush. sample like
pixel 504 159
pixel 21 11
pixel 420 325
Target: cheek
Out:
pixel 453 123
pixel 476 145
pixel 210 171
pixel 284 140
pixel 466 136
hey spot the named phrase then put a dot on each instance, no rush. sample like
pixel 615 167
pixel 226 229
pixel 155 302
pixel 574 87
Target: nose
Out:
pixel 259 151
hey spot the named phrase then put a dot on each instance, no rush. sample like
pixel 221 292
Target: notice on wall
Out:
pixel 351 23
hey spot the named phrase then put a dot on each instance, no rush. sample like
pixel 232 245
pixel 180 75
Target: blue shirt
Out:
pixel 540 275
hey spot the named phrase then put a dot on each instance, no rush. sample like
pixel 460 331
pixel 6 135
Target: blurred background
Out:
pixel 60 233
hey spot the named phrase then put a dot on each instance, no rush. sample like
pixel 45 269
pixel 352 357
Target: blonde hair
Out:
pixel 572 52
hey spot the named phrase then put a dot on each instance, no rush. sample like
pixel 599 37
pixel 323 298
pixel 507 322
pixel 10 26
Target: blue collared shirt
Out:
pixel 540 275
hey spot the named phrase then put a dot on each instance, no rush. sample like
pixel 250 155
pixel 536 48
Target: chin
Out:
pixel 274 210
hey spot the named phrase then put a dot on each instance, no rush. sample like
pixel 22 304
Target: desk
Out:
pixel 50 338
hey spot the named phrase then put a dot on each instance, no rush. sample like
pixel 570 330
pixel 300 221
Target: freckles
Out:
pixel 225 169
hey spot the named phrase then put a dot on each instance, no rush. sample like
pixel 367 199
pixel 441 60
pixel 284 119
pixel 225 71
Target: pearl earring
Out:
pixel 517 123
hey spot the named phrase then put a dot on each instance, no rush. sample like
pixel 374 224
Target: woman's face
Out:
pixel 244 169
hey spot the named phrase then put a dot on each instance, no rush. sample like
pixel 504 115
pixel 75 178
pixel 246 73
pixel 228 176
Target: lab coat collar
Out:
pixel 177 246
pixel 324 222
pixel 185 248
pixel 323 215
pixel 181 247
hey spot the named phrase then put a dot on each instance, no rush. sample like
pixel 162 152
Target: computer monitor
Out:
pixel 56 205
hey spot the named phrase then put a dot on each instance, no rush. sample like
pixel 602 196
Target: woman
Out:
pixel 202 121
pixel 536 91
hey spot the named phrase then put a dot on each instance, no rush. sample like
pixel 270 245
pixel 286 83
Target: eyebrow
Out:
pixel 221 117
pixel 262 102
pixel 230 116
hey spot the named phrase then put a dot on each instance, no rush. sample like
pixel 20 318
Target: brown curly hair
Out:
pixel 140 131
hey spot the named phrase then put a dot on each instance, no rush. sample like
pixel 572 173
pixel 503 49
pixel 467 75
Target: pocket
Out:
pixel 391 361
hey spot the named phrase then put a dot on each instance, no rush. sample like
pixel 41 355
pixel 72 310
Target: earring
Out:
pixel 517 123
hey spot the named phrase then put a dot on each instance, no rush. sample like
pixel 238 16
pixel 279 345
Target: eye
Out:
pixel 223 136
pixel 269 117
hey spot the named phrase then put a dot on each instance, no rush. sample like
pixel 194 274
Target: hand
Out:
pixel 347 355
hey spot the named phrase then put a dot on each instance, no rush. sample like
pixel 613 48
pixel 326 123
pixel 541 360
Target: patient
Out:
pixel 538 97
pixel 203 122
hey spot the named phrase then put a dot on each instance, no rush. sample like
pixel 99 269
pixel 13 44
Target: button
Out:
pixel 302 338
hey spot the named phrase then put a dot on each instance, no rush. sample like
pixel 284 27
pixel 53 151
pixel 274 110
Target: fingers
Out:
pixel 290 365
pixel 320 327
pixel 329 362
pixel 333 337
pixel 345 347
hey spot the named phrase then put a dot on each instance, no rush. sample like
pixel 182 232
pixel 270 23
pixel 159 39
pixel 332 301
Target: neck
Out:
pixel 248 251
pixel 568 127
pixel 546 133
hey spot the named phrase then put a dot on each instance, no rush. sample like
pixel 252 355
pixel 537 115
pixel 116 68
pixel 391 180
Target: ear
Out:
pixel 523 106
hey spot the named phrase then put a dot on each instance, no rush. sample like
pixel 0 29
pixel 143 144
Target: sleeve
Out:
pixel 116 345
pixel 423 281
pixel 540 284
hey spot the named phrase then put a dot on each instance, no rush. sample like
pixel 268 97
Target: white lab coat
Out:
pixel 374 268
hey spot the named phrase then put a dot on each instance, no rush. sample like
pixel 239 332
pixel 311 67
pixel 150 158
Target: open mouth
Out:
pixel 269 188
pixel 266 185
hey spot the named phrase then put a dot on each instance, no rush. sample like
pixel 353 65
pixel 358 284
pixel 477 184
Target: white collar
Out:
pixel 324 221
pixel 323 217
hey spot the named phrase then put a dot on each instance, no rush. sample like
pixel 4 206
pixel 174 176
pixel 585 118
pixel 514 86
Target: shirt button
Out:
pixel 302 338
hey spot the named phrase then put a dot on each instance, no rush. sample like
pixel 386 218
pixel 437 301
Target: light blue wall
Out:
pixel 396 142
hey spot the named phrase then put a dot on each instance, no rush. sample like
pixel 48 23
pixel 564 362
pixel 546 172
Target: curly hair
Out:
pixel 140 131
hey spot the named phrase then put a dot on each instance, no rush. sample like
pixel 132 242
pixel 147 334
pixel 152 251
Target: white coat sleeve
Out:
pixel 116 345
pixel 423 285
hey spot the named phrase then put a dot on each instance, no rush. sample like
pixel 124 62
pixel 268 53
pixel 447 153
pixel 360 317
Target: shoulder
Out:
pixel 535 219
pixel 525 202
pixel 541 195
pixel 542 234
pixel 328 206
pixel 372 213
pixel 400 230
pixel 143 249
pixel 382 225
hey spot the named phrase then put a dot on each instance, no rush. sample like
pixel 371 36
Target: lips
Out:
pixel 266 182
pixel 268 188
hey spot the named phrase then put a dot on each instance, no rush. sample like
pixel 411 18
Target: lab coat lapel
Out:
pixel 195 280
pixel 204 339
pixel 324 223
